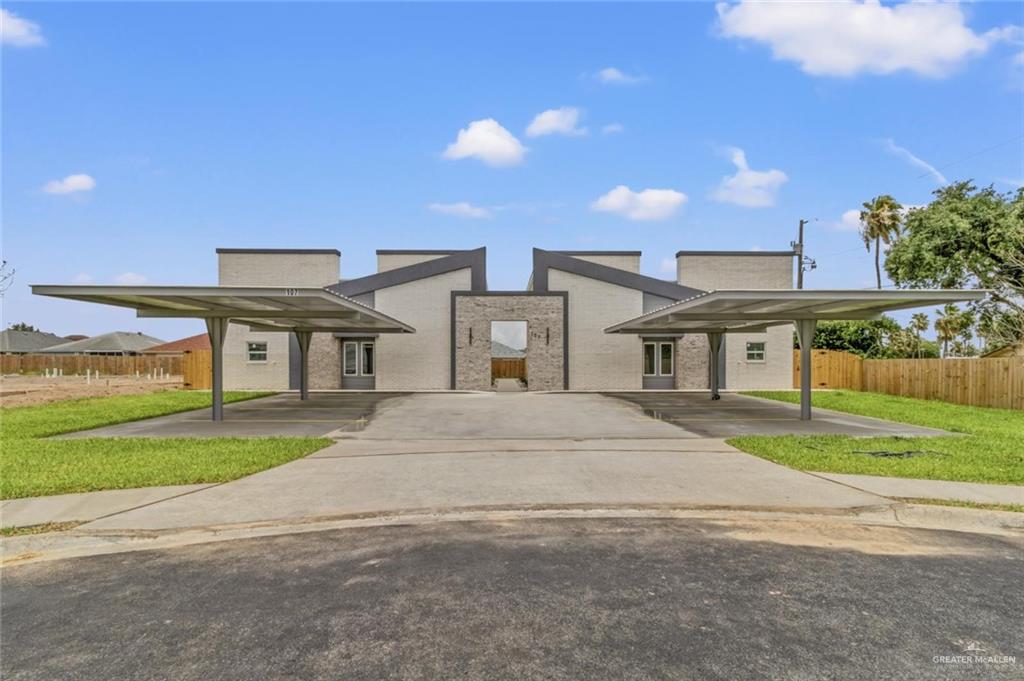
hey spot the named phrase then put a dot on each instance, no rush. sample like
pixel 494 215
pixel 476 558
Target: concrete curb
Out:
pixel 75 544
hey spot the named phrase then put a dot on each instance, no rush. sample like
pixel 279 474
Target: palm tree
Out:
pixel 919 324
pixel 880 221
pixel 947 325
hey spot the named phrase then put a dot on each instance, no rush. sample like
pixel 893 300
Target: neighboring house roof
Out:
pixel 113 342
pixel 502 351
pixel 475 260
pixel 1015 350
pixel 545 260
pixel 75 336
pixel 200 341
pixel 28 341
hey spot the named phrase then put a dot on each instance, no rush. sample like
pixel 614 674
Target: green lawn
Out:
pixel 30 466
pixel 990 449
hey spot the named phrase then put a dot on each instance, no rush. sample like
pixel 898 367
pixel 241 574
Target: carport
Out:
pixel 749 311
pixel 302 311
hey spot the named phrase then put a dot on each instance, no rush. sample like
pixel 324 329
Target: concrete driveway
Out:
pixel 444 452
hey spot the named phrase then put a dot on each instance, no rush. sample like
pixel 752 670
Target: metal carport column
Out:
pixel 216 328
pixel 715 339
pixel 805 334
pixel 303 337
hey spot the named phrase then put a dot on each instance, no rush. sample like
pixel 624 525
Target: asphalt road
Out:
pixel 530 599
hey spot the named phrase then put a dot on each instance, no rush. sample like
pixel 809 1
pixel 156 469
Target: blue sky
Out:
pixel 137 138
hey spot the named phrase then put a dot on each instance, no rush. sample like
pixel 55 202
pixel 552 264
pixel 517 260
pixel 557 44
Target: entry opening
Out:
pixel 508 355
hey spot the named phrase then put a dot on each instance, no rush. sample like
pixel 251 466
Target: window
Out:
pixel 256 351
pixel 367 359
pixel 658 359
pixel 755 351
pixel 351 358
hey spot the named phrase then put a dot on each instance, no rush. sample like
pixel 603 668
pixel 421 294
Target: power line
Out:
pixel 970 156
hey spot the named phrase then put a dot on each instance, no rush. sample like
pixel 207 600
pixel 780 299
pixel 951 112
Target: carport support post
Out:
pixel 216 328
pixel 805 334
pixel 303 337
pixel 715 339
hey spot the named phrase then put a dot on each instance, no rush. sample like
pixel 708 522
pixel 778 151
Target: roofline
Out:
pixel 636 253
pixel 275 251
pixel 679 253
pixel 414 251
pixel 475 260
pixel 545 260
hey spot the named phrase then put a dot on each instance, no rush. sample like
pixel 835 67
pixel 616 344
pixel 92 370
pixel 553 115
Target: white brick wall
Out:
pixel 598 360
pixel 267 269
pixel 419 361
pixel 630 263
pixel 392 261
pixel 711 272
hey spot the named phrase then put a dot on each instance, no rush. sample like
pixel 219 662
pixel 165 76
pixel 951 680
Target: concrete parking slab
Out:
pixel 697 414
pixel 282 415
pixel 83 507
pixel 529 415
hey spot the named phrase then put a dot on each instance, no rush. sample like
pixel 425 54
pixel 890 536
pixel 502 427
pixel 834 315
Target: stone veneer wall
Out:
pixel 544 315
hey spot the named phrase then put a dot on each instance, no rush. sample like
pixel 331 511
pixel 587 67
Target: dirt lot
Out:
pixel 17 391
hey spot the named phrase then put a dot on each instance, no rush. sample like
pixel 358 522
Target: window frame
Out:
pixel 763 352
pixel 249 352
pixel 643 359
pixel 362 358
pixel 671 358
pixel 344 359
pixel 658 345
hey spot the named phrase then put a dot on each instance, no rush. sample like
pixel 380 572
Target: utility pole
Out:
pixel 803 264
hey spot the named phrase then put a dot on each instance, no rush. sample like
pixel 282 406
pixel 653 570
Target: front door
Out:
pixel 659 364
pixel 358 364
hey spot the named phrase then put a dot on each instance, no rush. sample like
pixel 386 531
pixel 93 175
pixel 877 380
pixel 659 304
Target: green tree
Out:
pixel 22 326
pixel 919 323
pixel 952 324
pixel 968 238
pixel 880 222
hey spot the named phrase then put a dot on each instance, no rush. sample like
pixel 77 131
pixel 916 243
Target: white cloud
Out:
pixel 612 128
pixel 561 121
pixel 488 141
pixel 750 188
pixel 845 37
pixel 461 209
pixel 19 32
pixel 82 278
pixel 614 76
pixel 649 204
pixel 849 221
pixel 130 279
pixel 70 184
pixel 928 168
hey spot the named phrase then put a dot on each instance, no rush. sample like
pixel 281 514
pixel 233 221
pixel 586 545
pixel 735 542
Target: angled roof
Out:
pixel 28 341
pixel 113 342
pixel 266 308
pixel 200 341
pixel 750 309
pixel 475 260
pixel 559 260
pixel 500 350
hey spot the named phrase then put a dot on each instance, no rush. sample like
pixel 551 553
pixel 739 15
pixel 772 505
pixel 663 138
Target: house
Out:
pixel 1013 350
pixel 571 299
pixel 113 343
pixel 198 342
pixel 22 342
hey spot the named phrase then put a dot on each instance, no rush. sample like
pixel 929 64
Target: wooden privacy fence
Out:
pixel 110 365
pixel 986 382
pixel 197 367
pixel 508 367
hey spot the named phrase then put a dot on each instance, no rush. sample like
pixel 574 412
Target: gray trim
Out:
pixel 275 251
pixel 475 260
pixel 565 327
pixel 637 253
pixel 545 260
pixel 679 253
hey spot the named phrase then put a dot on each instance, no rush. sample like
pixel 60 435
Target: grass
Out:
pixel 32 466
pixel 990 447
pixel 38 529
pixel 1014 508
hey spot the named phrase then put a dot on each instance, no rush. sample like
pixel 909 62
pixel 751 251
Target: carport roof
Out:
pixel 264 308
pixel 735 310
